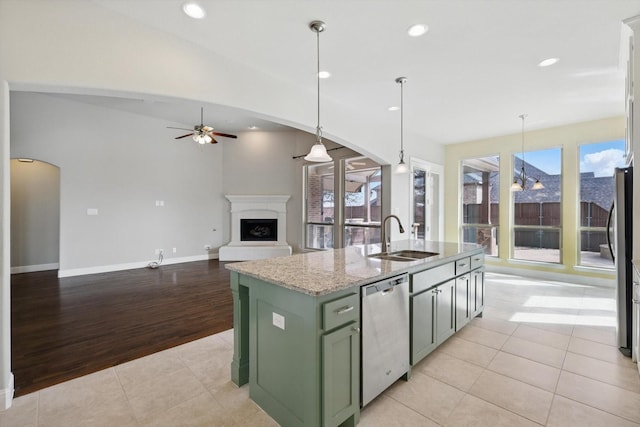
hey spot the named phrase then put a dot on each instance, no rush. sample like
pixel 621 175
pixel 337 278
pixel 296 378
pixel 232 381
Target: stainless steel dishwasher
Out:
pixel 385 334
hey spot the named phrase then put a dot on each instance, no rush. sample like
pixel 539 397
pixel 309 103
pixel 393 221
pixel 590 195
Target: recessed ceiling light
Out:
pixel 417 30
pixel 324 74
pixel 547 62
pixel 252 127
pixel 394 108
pixel 25 160
pixel 194 10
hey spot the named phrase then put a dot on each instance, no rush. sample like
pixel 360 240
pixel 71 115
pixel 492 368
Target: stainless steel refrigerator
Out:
pixel 619 236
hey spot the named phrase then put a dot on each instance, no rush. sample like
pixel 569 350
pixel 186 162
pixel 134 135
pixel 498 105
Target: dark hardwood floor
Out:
pixel 65 328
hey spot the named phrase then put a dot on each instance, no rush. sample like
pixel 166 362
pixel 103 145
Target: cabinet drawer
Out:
pixel 463 266
pixel 340 311
pixel 477 260
pixel 429 278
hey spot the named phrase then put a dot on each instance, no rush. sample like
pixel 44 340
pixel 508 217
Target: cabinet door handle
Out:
pixel 476 259
pixel 356 329
pixel 344 310
pixel 463 264
pixel 635 291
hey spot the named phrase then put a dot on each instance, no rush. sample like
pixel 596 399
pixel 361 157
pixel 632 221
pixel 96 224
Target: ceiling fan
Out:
pixel 202 134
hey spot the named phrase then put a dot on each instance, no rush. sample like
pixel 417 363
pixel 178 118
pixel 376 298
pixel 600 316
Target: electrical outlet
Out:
pixel 175 250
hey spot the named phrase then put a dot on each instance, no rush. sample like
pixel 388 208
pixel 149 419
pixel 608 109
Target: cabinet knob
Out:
pixel 356 329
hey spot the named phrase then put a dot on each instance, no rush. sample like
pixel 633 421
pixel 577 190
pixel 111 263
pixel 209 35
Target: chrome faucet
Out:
pixel 384 228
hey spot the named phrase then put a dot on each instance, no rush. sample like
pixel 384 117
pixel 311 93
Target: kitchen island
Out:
pixel 297 322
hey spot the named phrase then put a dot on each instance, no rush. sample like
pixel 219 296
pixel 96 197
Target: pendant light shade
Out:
pixel 318 152
pixel 401 167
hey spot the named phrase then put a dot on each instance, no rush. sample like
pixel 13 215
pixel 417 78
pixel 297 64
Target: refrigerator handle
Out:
pixel 613 256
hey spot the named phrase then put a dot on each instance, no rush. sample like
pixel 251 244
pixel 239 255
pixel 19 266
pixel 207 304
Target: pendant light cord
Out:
pixel 402 120
pixel 402 81
pixel 318 128
pixel 522 173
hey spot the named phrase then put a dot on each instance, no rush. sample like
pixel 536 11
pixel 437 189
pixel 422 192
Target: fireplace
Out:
pixel 258 228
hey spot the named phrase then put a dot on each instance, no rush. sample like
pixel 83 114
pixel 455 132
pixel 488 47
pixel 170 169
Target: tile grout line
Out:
pixel 126 396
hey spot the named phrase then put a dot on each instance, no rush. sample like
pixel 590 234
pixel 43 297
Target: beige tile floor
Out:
pixel 543 354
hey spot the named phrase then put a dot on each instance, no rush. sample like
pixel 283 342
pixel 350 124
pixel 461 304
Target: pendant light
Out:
pixel 318 151
pixel 520 181
pixel 401 167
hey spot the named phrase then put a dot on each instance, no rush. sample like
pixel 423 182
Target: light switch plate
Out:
pixel 278 321
pixel 92 211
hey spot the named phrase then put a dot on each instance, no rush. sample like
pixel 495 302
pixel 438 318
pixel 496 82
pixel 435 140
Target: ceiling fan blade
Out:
pixel 183 136
pixel 171 127
pixel 213 141
pixel 227 135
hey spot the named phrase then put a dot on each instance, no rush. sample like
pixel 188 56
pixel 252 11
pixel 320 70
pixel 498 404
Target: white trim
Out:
pixel 552 276
pixel 33 268
pixel 6 395
pixel 132 265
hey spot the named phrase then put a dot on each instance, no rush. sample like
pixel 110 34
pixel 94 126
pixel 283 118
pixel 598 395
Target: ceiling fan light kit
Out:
pixel 318 152
pixel 203 134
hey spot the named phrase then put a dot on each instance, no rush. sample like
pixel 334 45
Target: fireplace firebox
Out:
pixel 258 230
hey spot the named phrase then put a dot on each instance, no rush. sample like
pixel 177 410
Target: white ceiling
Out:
pixel 469 77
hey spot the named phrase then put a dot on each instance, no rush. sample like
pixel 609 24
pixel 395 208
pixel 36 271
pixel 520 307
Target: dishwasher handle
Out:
pixel 385 287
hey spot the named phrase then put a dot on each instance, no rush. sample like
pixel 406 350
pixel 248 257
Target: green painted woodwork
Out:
pixel 286 367
pixel 463 312
pixel 341 375
pixel 422 309
pixel 476 296
pixel 446 311
pixel 240 361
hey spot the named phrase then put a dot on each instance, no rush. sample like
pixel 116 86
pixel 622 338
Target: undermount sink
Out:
pixel 405 255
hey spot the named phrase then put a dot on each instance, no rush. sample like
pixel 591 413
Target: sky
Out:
pixel 599 158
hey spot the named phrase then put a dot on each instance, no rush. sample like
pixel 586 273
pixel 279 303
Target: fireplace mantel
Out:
pixel 256 207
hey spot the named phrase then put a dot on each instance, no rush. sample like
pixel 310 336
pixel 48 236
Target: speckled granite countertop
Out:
pixel 320 273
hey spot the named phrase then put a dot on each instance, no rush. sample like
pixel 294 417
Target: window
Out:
pixel 480 202
pixel 597 164
pixel 537 213
pixel 319 206
pixel 362 201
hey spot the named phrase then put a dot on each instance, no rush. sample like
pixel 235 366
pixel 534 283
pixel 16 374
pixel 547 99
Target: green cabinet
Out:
pixel 443 300
pixel 463 303
pixel 300 353
pixel 422 310
pixel 432 314
pixel 476 292
pixel 341 375
pixel 445 311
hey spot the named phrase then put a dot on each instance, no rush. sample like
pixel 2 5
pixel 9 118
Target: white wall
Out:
pixel 262 163
pixel 35 216
pixel 6 377
pixel 120 164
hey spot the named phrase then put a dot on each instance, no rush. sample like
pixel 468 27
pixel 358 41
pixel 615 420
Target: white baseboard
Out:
pixel 6 395
pixel 36 267
pixel 132 265
pixel 554 277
